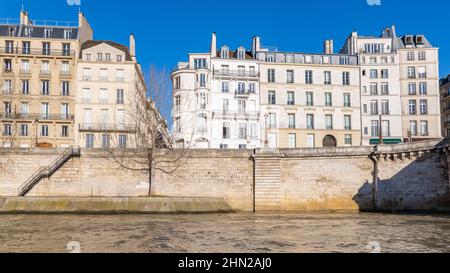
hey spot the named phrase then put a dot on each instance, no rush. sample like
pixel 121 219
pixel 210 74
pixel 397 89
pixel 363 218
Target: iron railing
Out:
pixel 36 51
pixel 39 117
pixel 236 73
pixel 106 127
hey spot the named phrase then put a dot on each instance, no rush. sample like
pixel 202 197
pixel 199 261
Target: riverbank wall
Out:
pixel 409 177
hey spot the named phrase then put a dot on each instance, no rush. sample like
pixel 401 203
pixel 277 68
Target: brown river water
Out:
pixel 230 233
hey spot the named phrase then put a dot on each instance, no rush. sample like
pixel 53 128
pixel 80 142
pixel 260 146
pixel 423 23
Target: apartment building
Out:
pixel 380 86
pixel 110 89
pixel 38 80
pixel 309 100
pixel 216 99
pixel 445 104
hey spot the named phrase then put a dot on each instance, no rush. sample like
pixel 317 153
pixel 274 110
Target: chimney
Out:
pixel 328 47
pixel 256 46
pixel 132 47
pixel 24 19
pixel 213 50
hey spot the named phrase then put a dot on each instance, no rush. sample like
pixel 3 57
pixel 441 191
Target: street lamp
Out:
pixel 381 131
pixel 36 131
pixel 266 141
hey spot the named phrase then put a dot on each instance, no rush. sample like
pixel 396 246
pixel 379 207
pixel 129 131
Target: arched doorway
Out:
pixel 329 141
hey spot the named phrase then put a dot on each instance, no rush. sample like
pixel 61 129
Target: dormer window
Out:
pixel 408 40
pixel 119 58
pixel 270 58
pixel 419 40
pixel 67 34
pixel 28 31
pixel 100 57
pixel 48 33
pixel 224 53
pixel 241 53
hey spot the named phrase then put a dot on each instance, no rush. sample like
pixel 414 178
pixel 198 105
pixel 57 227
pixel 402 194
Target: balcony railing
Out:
pixel 107 127
pixel 40 117
pixel 64 73
pixel 236 73
pixel 38 52
pixel 221 114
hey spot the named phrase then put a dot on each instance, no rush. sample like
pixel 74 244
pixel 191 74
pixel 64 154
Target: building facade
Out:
pixel 216 99
pixel 445 105
pixel 38 81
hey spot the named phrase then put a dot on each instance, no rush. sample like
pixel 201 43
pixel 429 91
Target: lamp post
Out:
pixel 381 131
pixel 266 138
pixel 36 132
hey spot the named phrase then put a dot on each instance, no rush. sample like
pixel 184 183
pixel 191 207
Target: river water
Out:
pixel 248 233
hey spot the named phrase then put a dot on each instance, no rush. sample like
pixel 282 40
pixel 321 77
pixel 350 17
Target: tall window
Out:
pixel 44 131
pixel 202 80
pixel 309 99
pixel 424 128
pixel 410 56
pixel 291 121
pixel 327 77
pixel 413 128
pixel 177 103
pixel 412 106
pixel 200 63
pixel 348 139
pixel 45 88
pixel 328 99
pixel 310 121
pixel 346 78
pixel 24 130
pixel 374 129
pixel 385 107
pixel 329 122
pixel 290 98
pixel 45 48
pixel 65 91
pixel 384 88
pixel 272 98
pixel 242 105
pixel 385 128
pixel 373 74
pixel 347 122
pixel 89 141
pixel 242 133
pixel 423 88
pixel 271 75
pixel 292 141
pixel 411 72
pixel 423 107
pixel 290 76
pixel 105 141
pixel 64 111
pixel 412 89
pixel 422 56
pixel 64 131
pixel 308 77
pixel 347 100
pixel 121 96
pixel 225 87
pixel 177 125
pixel 226 131
pixel 374 108
pixel 7 130
pixel 384 73
pixel 373 89
pixel 25 87
pixel 66 49
pixel 26 47
pixel 272 121
pixel 422 72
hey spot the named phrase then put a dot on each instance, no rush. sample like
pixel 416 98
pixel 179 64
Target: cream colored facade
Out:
pixel 38 82
pixel 110 86
pixel 316 103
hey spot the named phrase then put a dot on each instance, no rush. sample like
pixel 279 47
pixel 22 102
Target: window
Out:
pixel 89 141
pixel 24 130
pixel 44 131
pixel 24 109
pixel 105 141
pixel 291 121
pixel 271 75
pixel 26 48
pixel 120 75
pixel 374 108
pixel 413 128
pixel 327 77
pixel 66 50
pixel 177 102
pixel 119 58
pixel 177 83
pixel 410 56
pixel 290 98
pixel 290 76
pixel 365 108
pixel 224 53
pixel 200 63
pixel 202 80
pixel 108 57
pixel 25 87
pixel 348 139
pixel 411 72
pixel 385 107
pixel 384 88
pixel 86 95
pixel 67 34
pixel 308 77
pixel 87 57
pixel 422 72
pixel 223 146
pixel 45 48
pixel 373 74
pixel 253 131
pixel 328 99
pixel 242 146
pixel 292 141
pixel 103 74
pixel 45 88
pixel 65 91
pixel 252 87
pixel 122 141
pixel 225 87
pixel 412 106
pixel 241 87
pixel 99 57
pixel 373 89
pixel 64 131
pixel 64 111
pixel 329 122
pixel 384 74
pixel 412 89
pixel 177 125
pixel 311 140
pixel 422 56
pixel 242 133
pixel 121 99
pixel 272 98
pixel 7 130
pixel 347 100
pixel 346 78
pixel 272 121
pixel 423 88
pixel 9 46
pixel 242 105
pixel 423 107
pixel 225 106
pixel 385 128
pixel 86 74
pixel 202 101
pixel 309 99
pixel 310 121
pixel 241 54
pixel 48 33
pixel 226 131
pixel 375 130
pixel 241 70
pixel 424 128
pixel 103 96
pixel 347 122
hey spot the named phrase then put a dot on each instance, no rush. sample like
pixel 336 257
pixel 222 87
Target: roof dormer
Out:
pixel 420 40
pixel 240 53
pixel 225 52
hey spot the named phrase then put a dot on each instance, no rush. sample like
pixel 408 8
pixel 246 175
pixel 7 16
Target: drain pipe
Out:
pixel 374 157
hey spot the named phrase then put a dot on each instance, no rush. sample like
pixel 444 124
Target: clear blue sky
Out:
pixel 167 30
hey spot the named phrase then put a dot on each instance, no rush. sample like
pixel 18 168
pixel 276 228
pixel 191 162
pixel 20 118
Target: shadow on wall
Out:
pixel 417 183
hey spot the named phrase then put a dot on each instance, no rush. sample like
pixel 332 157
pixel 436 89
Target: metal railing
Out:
pixel 36 51
pixel 107 127
pixel 236 73
pixel 39 117
pixel 221 114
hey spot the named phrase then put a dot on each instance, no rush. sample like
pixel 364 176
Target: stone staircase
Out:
pixel 48 171
pixel 267 183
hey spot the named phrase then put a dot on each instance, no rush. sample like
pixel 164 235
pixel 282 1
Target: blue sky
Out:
pixel 167 30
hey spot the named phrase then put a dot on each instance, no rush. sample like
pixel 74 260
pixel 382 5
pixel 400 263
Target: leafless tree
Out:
pixel 153 149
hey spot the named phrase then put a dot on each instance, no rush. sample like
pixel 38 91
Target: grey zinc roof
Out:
pixel 38 31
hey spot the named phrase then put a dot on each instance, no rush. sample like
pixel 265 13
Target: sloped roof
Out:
pixel 118 46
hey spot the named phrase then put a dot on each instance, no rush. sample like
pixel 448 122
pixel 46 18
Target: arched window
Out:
pixel 329 141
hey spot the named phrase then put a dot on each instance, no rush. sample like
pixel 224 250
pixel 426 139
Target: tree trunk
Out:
pixel 150 178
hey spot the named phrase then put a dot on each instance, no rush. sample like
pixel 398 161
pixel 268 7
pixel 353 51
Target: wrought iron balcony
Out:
pixel 107 127
pixel 39 117
pixel 221 114
pixel 236 73
pixel 36 52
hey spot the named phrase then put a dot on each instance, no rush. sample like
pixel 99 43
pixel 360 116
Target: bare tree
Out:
pixel 153 149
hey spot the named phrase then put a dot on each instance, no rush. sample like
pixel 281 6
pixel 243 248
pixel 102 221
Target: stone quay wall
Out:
pixel 409 177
